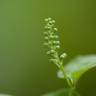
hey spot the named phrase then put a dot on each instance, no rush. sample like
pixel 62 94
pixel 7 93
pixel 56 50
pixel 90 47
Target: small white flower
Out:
pixel 63 55
pixel 50 52
pixel 49 18
pixel 53 21
pixel 46 38
pixel 55 29
pixel 56 42
pixel 57 47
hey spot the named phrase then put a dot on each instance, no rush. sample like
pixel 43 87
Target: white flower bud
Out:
pixel 53 21
pixel 47 27
pixel 46 38
pixel 49 18
pixel 51 36
pixel 57 47
pixel 50 52
pixel 50 22
pixel 56 42
pixel 63 55
pixel 55 29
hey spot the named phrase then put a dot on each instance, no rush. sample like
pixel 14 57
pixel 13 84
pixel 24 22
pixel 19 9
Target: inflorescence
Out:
pixel 52 42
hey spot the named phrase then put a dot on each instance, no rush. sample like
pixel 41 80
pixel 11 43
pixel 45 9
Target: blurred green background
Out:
pixel 24 66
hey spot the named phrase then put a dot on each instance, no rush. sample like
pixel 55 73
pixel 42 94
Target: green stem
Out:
pixel 61 67
pixel 72 88
pixel 71 91
pixel 68 81
pixel 65 76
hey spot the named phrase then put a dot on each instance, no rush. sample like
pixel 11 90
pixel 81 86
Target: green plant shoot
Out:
pixel 71 71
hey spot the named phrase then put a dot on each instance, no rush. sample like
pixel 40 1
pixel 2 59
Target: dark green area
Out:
pixel 24 68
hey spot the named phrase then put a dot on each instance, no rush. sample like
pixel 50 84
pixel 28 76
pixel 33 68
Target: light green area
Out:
pixel 5 95
pixel 61 92
pixel 78 66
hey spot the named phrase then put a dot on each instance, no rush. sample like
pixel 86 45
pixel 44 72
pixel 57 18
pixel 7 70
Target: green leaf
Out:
pixel 78 66
pixel 61 92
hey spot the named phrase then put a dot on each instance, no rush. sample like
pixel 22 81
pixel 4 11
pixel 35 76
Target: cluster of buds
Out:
pixel 52 40
pixel 53 45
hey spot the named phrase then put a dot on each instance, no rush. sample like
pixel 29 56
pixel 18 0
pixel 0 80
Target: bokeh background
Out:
pixel 24 66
